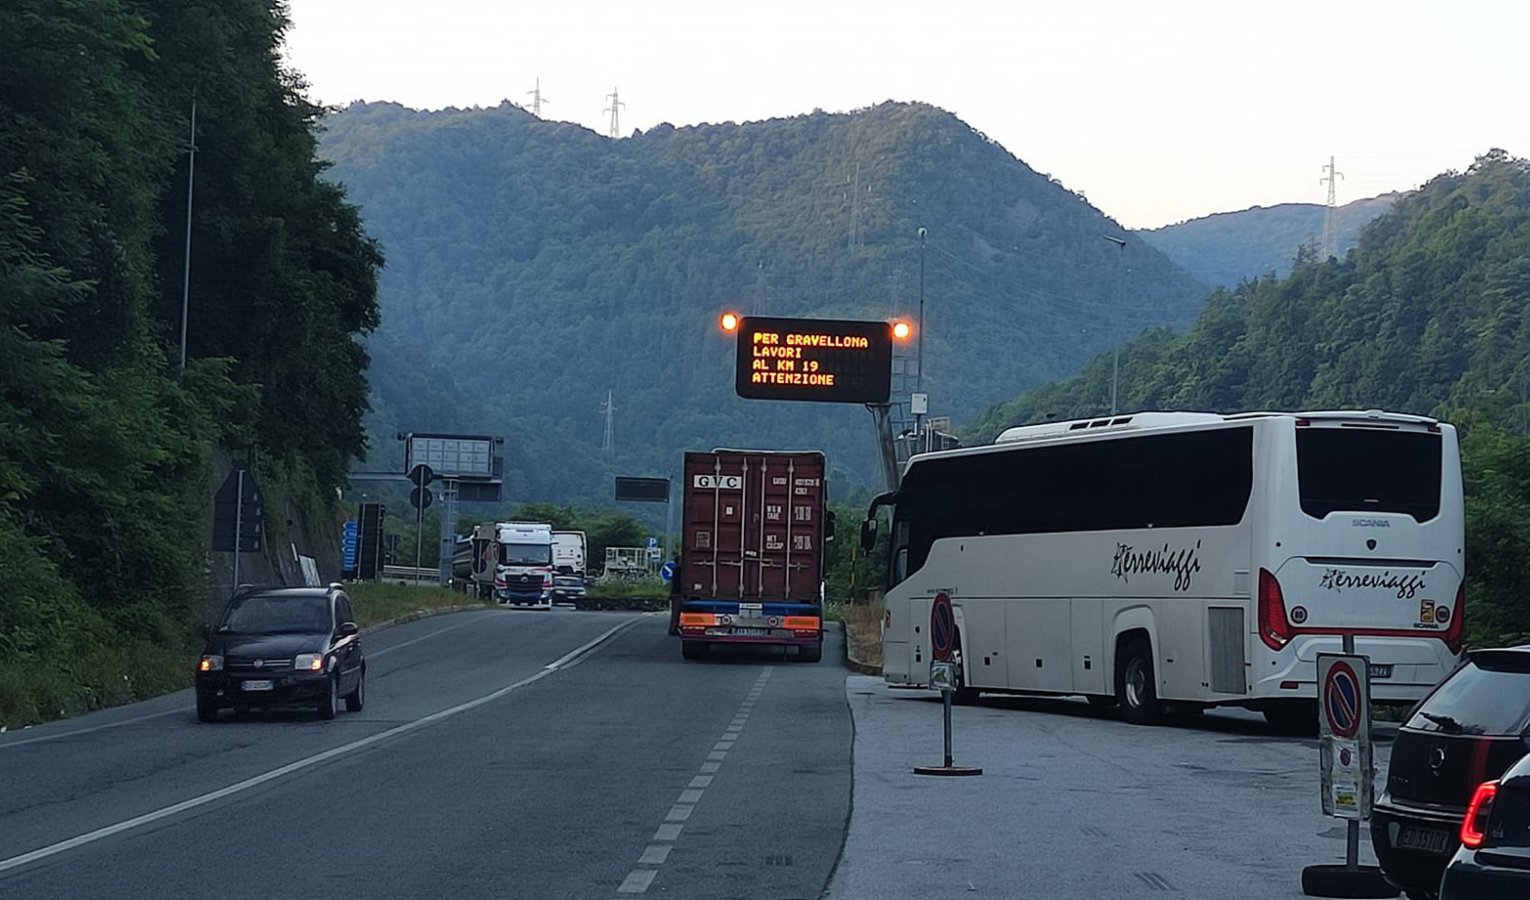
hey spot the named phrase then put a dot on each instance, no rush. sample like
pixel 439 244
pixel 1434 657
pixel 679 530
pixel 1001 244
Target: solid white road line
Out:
pixel 188 710
pixel 299 765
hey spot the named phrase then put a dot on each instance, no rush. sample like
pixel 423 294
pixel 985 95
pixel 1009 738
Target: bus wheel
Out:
pixel 1136 685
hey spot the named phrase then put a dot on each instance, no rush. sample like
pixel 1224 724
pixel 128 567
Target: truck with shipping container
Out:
pixel 755 524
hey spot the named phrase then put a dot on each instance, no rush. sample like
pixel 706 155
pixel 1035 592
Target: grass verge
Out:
pixel 374 604
pixel 863 633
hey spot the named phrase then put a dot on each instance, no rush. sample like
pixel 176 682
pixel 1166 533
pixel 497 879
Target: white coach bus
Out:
pixel 1167 562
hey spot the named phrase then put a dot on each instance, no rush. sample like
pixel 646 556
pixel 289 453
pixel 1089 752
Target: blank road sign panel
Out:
pixel 823 360
pixel 452 456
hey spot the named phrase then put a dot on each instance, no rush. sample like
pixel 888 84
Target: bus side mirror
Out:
pixel 869 535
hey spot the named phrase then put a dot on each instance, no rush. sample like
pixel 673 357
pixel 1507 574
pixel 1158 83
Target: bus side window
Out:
pixel 900 552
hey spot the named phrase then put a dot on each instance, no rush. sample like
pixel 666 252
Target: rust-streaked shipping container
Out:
pixel 751 561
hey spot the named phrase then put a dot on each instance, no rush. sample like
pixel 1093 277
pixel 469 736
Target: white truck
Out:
pixel 569 553
pixel 517 559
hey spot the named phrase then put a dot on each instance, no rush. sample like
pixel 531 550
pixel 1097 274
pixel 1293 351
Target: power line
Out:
pixel 615 110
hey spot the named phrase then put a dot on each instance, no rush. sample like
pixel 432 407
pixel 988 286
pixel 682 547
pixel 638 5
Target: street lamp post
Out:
pixel 919 378
pixel 1115 336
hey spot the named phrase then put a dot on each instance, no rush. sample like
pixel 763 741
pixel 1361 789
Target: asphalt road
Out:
pixel 500 754
pixel 1074 803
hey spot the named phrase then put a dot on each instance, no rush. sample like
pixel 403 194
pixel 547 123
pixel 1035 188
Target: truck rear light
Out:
pixel 693 629
pixel 700 620
pixel 805 633
pixel 1455 630
pixel 802 623
pixel 1274 628
pixel 1474 826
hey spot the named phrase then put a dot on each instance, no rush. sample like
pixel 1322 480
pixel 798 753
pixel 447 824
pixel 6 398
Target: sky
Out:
pixel 1157 112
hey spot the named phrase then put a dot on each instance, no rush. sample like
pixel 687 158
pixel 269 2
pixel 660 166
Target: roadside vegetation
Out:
pixel 106 439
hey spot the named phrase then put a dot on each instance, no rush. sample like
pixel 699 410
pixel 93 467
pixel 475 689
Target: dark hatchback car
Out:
pixel 567 589
pixel 1471 728
pixel 276 647
pixel 1494 860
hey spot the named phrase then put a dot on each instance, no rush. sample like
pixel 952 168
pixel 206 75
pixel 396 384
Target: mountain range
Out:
pixel 535 267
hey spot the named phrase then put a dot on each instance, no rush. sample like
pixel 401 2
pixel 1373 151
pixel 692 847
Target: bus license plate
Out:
pixel 258 685
pixel 1381 670
pixel 752 632
pixel 1428 839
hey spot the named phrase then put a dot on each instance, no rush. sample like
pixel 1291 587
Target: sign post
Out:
pixel 1346 755
pixel 943 674
pixel 238 517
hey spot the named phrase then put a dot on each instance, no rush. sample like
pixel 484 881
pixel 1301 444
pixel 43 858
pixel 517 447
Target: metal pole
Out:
pixel 669 519
pixel 919 378
pixel 419 534
pixel 946 699
pixel 1352 830
pixel 191 174
pixel 1115 336
pixel 238 529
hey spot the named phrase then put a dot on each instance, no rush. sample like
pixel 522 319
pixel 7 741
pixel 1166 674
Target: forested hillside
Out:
pixel 534 266
pixel 1226 248
pixel 1429 314
pixel 106 444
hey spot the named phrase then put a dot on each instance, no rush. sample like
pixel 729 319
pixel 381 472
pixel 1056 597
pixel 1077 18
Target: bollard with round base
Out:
pixel 949 770
pixel 1344 881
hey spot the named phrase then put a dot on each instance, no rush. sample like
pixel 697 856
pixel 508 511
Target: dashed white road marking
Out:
pixel 657 852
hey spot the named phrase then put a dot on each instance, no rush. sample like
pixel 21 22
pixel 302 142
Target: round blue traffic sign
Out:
pixel 942 627
pixel 667 571
pixel 1341 700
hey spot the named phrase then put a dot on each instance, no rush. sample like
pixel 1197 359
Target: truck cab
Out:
pixel 523 564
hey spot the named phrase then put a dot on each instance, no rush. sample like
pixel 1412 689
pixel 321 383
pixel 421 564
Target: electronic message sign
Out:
pixel 823 360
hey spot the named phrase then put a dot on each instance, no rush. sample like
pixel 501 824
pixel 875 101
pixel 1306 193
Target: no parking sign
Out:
pixel 1344 734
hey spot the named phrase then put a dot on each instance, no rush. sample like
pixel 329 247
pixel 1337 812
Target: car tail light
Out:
pixel 1456 630
pixel 1274 627
pixel 1474 826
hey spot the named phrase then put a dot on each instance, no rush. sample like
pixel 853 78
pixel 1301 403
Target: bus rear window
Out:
pixel 1369 471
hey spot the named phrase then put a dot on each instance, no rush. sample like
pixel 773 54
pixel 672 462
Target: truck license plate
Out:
pixel 752 632
pixel 265 685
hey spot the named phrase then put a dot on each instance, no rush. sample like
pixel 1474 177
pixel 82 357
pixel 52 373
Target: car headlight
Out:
pixel 210 662
pixel 309 662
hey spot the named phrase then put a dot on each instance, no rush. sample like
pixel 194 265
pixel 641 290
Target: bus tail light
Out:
pixel 1456 630
pixel 1274 627
pixel 1474 826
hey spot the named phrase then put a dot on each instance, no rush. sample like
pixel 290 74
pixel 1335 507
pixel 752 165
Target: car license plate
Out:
pixel 1430 839
pixel 266 685
pixel 752 632
pixel 1381 670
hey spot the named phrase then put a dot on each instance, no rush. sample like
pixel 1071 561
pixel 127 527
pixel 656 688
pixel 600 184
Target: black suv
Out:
pixel 283 647
pixel 1471 728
